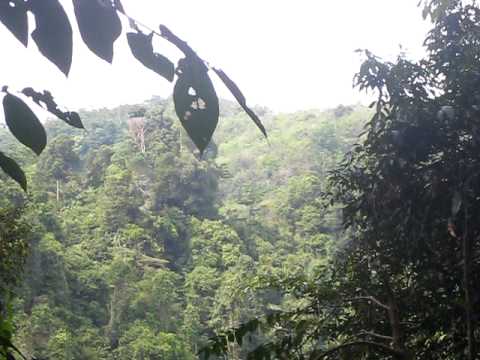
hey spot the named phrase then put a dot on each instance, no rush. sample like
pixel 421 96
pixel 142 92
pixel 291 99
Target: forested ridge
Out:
pixel 140 249
pixel 349 233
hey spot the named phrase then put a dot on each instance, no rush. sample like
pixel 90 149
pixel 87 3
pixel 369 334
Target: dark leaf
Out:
pixel 24 124
pixel 142 49
pixel 46 101
pixel 11 168
pixel 118 5
pixel 179 43
pixel 196 102
pixel 13 14
pixel 99 25
pixel 53 32
pixel 240 98
pixel 10 356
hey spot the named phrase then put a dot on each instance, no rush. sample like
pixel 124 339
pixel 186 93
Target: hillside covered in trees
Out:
pixel 349 233
pixel 139 249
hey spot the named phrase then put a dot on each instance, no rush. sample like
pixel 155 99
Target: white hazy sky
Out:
pixel 287 55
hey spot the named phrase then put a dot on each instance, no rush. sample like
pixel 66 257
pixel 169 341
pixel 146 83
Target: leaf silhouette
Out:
pixel 99 25
pixel 13 14
pixel 24 124
pixel 119 6
pixel 234 89
pixel 53 34
pixel 12 169
pixel 180 44
pixel 46 101
pixel 196 102
pixel 142 49
pixel 240 98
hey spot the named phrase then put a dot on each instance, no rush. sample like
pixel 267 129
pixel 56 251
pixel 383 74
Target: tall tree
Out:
pixel 405 285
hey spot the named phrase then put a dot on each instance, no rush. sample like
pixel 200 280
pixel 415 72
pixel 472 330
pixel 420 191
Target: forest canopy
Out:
pixel 353 234
pixel 139 247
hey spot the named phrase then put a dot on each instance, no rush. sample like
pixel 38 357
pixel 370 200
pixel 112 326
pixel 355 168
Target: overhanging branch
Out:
pixel 378 346
pixel 371 299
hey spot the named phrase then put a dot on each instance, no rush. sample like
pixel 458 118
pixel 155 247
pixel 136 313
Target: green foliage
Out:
pixel 144 253
pixel 14 232
pixel 409 191
pixel 403 283
pixel 13 247
pixel 141 342
pixel 156 254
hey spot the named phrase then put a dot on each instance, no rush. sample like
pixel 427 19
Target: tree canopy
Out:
pixel 334 244
pixel 139 248
pixel 405 283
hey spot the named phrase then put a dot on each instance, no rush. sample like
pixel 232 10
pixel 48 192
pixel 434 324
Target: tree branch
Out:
pixel 373 334
pixel 378 346
pixel 371 299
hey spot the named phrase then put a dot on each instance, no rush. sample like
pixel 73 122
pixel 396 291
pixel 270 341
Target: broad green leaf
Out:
pixel 53 33
pixel 196 102
pixel 99 26
pixel 24 124
pixel 234 89
pixel 12 169
pixel 142 49
pixel 13 14
pixel 46 101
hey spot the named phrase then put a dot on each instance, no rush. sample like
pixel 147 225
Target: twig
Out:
pixel 373 334
pixel 372 299
pixel 378 346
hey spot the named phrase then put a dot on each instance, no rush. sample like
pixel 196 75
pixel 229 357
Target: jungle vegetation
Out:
pixel 352 234
pixel 139 249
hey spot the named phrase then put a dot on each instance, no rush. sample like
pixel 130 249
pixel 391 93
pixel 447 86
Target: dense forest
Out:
pixel 349 233
pixel 138 249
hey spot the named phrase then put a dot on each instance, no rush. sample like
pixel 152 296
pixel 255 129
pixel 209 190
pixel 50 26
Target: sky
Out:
pixel 286 55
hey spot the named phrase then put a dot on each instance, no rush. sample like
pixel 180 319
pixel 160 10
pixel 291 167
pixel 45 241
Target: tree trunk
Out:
pixel 232 347
pixel 467 250
pixel 58 190
pixel 398 336
pixel 112 322
pixel 142 140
